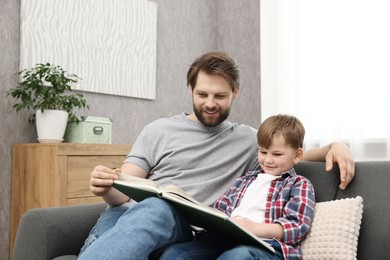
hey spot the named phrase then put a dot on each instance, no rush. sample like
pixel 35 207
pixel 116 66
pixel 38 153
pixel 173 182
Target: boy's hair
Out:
pixel 290 127
pixel 215 63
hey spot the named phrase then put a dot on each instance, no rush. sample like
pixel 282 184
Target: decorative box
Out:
pixel 96 130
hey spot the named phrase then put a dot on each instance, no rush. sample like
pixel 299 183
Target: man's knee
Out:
pixel 156 210
pixel 166 216
pixel 157 207
pixel 154 203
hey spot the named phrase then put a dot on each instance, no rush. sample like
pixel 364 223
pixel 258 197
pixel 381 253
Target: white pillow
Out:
pixel 335 230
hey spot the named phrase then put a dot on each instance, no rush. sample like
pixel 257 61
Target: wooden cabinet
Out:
pixel 48 175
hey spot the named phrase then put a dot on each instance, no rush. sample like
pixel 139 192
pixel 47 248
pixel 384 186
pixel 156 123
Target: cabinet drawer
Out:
pixel 79 170
pixel 56 174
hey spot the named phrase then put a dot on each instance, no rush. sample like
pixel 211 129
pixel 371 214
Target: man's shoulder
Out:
pixel 165 120
pixel 181 121
pixel 243 128
pixel 246 134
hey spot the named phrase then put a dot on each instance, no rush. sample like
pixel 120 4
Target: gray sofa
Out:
pixel 49 233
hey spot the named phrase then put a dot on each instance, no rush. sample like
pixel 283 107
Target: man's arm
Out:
pixel 336 152
pixel 103 177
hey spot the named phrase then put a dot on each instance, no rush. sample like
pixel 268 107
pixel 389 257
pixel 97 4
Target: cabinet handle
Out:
pixel 98 130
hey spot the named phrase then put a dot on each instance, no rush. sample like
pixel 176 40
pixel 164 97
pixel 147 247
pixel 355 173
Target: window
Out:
pixel 328 63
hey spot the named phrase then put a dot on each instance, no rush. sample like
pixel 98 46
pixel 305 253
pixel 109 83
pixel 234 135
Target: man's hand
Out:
pixel 339 153
pixel 102 179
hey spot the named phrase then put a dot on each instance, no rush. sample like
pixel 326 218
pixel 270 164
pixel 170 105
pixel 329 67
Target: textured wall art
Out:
pixel 110 44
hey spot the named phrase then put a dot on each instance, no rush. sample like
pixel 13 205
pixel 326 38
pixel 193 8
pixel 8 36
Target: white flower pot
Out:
pixel 51 125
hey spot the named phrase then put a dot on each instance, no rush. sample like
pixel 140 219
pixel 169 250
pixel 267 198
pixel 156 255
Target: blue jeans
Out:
pixel 217 247
pixel 135 232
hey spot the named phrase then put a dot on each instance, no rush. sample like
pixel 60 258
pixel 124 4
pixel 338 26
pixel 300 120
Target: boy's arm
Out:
pixel 264 230
pixel 298 212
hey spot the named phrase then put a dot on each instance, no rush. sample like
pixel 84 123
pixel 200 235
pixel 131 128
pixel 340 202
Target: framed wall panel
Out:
pixel 110 44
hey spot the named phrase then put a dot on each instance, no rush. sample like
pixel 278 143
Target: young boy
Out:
pixel 274 203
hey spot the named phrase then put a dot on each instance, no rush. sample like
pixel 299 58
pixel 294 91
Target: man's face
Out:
pixel 212 99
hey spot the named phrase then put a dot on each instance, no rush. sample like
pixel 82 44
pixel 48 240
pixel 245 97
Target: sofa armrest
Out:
pixel 46 233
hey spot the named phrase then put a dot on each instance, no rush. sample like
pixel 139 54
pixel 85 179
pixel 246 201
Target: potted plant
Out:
pixel 45 89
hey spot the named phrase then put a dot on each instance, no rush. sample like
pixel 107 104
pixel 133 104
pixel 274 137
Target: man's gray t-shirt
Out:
pixel 203 161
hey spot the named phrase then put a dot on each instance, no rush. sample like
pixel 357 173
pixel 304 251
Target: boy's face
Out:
pixel 212 99
pixel 279 157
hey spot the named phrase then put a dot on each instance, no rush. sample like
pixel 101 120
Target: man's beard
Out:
pixel 211 123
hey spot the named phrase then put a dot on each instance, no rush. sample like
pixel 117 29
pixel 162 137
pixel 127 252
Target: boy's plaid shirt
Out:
pixel 290 202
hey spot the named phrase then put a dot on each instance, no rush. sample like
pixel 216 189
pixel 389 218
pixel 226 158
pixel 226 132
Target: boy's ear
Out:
pixel 298 155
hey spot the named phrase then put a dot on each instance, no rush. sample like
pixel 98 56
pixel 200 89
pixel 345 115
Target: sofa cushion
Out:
pixel 325 183
pixel 66 257
pixel 46 233
pixel 335 230
pixel 372 183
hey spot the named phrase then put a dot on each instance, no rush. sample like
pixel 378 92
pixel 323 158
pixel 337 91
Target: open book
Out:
pixel 196 213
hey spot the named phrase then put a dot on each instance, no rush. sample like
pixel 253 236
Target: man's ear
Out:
pixel 298 155
pixel 235 93
pixel 189 89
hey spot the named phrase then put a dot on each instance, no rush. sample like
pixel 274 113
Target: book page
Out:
pixel 138 180
pixel 196 207
pixel 182 195
pixel 138 183
pixel 172 189
pixel 211 219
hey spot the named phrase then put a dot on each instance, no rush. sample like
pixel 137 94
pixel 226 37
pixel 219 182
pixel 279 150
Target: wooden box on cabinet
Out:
pixel 48 175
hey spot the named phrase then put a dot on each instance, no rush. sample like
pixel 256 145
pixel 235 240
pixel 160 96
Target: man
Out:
pixel 200 152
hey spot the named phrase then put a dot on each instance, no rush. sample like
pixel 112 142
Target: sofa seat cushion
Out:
pixel 66 257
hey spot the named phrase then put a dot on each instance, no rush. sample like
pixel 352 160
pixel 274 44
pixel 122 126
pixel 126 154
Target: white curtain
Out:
pixel 328 63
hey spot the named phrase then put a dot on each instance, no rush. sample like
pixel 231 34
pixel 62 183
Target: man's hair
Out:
pixel 290 127
pixel 215 63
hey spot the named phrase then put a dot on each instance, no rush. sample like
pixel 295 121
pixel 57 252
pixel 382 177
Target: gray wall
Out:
pixel 185 30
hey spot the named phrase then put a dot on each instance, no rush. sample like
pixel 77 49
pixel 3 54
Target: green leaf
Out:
pixel 47 86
